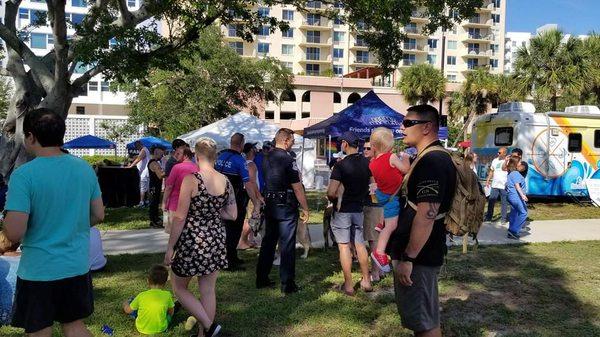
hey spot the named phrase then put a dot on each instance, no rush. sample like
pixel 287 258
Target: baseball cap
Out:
pixel 248 147
pixel 350 137
pixel 267 144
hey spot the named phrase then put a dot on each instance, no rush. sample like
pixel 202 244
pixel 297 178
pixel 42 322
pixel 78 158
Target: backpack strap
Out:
pixel 404 187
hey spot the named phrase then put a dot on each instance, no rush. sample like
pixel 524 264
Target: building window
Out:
pixel 288 65
pixel 338 70
pixel 362 56
pixel 495 48
pixel 105 86
pixel 78 3
pixel 313 53
pixel 360 41
pixel 409 59
pixel 80 110
pixel 313 69
pixel 496 3
pixel 472 63
pixel 574 142
pixel 313 19
pixel 77 19
pixel 305 114
pixel 24 13
pixel 451 77
pixel 263 48
pixel 432 59
pixel 269 115
pixel 287 49
pixel 496 18
pixel 288 96
pixel 263 12
pixel 313 36
pixel 288 15
pixel 38 41
pixel 313 4
pixel 338 53
pixel 264 31
pixel 50 39
pixel 338 36
pixel 494 63
pixel 473 48
pixel 92 86
pixel 80 68
pixel 432 43
pixel 37 14
pixel 288 33
pixel 131 3
pixel 287 115
pixel 451 44
pixel 409 44
pixel 238 47
pixel 451 60
pixel 306 96
pixel 503 136
pixel 338 4
pixel 353 98
pixel 232 30
pixel 338 21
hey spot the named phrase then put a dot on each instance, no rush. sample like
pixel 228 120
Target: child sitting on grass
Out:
pixel 388 170
pixel 155 306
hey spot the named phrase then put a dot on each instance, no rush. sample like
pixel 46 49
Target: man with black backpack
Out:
pixel 418 245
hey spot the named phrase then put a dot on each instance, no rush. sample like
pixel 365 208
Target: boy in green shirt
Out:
pixel 155 306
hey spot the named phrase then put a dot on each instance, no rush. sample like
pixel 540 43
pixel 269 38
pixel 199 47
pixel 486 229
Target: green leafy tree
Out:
pixel 422 83
pixel 125 44
pixel 5 93
pixel 591 47
pixel 211 82
pixel 550 68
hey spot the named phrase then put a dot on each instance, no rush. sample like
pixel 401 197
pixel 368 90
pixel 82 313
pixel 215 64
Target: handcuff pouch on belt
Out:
pixel 287 198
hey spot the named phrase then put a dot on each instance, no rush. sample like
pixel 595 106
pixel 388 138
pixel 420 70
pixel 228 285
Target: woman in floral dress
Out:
pixel 197 241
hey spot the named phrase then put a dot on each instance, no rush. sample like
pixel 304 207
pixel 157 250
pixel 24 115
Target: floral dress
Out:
pixel 200 249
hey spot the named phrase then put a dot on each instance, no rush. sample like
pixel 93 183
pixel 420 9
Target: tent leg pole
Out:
pixel 329 150
pixel 302 157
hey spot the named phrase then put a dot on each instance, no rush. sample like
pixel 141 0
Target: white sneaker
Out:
pixel 277 261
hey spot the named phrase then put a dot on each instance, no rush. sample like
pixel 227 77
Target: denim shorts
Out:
pixel 390 204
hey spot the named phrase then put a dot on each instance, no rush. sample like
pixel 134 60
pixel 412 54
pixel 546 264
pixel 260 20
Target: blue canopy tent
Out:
pixel 90 142
pixel 149 142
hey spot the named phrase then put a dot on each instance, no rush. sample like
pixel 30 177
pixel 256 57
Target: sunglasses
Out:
pixel 407 123
pixel 367 148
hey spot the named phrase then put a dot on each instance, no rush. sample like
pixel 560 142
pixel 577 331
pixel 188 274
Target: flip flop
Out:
pixel 340 288
pixel 359 285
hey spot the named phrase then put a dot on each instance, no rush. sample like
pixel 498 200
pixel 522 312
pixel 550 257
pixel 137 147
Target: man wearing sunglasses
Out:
pixel 418 245
pixel 497 175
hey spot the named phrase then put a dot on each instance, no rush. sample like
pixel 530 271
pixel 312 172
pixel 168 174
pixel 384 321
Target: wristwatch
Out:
pixel 405 258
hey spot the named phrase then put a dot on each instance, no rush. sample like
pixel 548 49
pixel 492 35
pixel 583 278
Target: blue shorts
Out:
pixel 390 204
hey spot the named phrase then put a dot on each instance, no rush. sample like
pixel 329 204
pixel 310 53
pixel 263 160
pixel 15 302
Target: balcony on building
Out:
pixel 478 53
pixel 408 63
pixel 359 43
pixel 478 22
pixel 415 48
pixel 413 31
pixel 322 39
pixel 473 66
pixel 364 59
pixel 316 22
pixel 316 6
pixel 478 37
pixel 419 17
pixel 488 7
pixel 316 55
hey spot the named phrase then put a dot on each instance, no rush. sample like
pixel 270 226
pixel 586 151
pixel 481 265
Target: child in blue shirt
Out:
pixel 515 188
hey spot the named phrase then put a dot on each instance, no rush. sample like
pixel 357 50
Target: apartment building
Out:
pixel 98 100
pixel 317 45
pixel 514 41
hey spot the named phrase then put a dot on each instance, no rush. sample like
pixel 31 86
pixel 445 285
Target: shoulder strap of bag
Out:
pixel 404 186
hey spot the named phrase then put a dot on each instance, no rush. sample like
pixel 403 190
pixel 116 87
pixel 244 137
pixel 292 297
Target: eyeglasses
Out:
pixel 407 123
pixel 367 148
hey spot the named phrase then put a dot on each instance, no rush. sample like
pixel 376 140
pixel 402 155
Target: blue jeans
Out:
pixel 518 213
pixel 494 194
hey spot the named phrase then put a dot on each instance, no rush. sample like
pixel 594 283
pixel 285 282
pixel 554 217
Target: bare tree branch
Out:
pixel 83 79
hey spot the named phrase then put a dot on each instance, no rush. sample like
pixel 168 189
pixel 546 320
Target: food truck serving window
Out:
pixel 503 136
pixel 597 138
pixel 574 142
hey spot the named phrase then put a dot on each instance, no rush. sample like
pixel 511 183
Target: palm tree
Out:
pixel 422 83
pixel 509 89
pixel 591 47
pixel 549 67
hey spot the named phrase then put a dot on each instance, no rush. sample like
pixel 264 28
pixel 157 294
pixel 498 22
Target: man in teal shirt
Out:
pixel 52 202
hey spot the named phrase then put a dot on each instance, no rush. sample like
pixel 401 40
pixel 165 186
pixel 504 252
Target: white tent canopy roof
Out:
pixel 253 128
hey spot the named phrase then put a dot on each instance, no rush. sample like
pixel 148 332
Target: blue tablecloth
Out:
pixel 8 281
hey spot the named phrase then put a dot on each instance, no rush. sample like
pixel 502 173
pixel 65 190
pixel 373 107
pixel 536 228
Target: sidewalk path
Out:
pixel 155 240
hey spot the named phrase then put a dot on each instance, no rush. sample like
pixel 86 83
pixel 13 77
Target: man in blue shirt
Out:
pixel 232 164
pixel 52 202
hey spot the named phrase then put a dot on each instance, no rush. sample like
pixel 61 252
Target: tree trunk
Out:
pixel 553 101
pixel 465 127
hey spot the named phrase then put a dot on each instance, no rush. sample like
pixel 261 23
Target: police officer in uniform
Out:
pixel 283 194
pixel 232 164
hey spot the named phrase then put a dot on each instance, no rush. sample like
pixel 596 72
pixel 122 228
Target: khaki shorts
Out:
pixel 372 216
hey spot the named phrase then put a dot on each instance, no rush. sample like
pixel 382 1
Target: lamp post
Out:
pixel 443 66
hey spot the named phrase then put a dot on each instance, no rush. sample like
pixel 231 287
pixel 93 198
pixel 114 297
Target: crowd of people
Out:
pixel 388 209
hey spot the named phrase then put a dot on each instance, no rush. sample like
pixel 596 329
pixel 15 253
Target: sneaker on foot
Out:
pixel 513 236
pixel 382 261
pixel 379 227
pixel 277 261
pixel 213 331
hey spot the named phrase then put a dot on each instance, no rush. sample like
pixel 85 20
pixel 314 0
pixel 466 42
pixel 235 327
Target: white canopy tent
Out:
pixel 255 130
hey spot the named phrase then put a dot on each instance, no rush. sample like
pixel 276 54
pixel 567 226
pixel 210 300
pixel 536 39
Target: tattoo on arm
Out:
pixel 432 210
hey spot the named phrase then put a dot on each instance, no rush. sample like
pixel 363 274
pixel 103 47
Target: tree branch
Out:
pixel 83 79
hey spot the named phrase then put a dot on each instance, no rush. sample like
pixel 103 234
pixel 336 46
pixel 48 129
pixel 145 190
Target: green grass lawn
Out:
pixel 136 218
pixel 521 290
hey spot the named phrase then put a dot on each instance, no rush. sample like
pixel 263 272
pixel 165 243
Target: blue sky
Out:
pixel 573 16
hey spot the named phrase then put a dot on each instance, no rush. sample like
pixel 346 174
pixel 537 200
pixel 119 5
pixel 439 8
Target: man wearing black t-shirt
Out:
pixel 418 245
pixel 347 223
